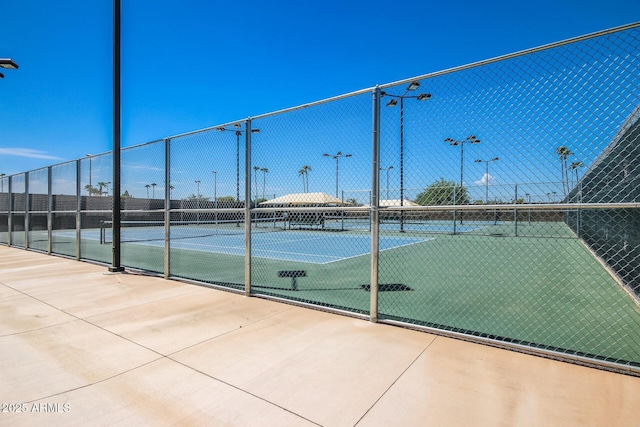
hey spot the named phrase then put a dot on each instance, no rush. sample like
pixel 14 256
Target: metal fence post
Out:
pixel 78 210
pixel 10 211
pixel 247 208
pixel 515 211
pixel 167 207
pixel 375 196
pixel 26 210
pixel 454 211
pixel 49 209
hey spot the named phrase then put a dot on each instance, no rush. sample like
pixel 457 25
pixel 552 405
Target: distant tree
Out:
pixel 304 173
pixel 353 202
pixel 93 191
pixel 102 185
pixel 153 184
pixel 563 152
pixel 126 194
pixel 227 199
pixel 442 193
pixel 574 166
pixel 147 187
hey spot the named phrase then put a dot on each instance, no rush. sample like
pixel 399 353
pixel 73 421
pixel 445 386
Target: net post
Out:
pixel 167 207
pixel 375 194
pixel 247 208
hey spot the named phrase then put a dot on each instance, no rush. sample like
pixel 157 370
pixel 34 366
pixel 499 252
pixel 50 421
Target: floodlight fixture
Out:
pixel 423 96
pixel 8 63
pixel 413 86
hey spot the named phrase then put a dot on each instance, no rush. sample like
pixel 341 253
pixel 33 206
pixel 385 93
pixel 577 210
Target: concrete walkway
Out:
pixel 80 346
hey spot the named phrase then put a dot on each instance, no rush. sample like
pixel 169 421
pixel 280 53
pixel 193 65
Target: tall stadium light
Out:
pixel 336 157
pixel 392 103
pixel 387 170
pixel 116 222
pixel 238 133
pixel 7 63
pixel 486 176
pixel 469 140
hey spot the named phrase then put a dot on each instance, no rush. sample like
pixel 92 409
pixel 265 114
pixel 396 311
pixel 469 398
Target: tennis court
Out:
pixel 270 240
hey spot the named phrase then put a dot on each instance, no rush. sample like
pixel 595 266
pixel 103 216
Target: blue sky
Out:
pixel 193 64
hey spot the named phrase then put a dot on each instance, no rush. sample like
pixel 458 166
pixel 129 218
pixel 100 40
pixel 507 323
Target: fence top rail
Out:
pixel 517 206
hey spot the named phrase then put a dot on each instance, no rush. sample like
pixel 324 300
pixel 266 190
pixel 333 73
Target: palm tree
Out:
pixel 90 189
pixel 101 185
pixel 304 172
pixel 147 187
pixel 301 173
pixel 574 167
pixel 564 153
pixel 153 184
pixel 255 178
pixel 264 179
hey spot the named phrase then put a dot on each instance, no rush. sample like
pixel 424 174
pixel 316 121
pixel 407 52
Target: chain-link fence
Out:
pixel 496 202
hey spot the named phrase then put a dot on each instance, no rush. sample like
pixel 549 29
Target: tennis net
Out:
pixel 147 231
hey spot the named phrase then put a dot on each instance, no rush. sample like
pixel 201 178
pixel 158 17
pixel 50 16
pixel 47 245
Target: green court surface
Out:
pixel 543 291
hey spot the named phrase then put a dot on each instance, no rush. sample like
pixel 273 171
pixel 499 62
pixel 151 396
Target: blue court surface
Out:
pixel 300 246
pixel 314 247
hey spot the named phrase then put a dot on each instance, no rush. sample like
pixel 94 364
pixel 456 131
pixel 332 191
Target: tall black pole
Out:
pixel 115 263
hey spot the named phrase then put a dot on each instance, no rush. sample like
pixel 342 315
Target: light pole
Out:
pixel 337 157
pixel 486 176
pixel 90 186
pixel 469 140
pixel 238 132
pixel 387 170
pixel 7 63
pixel 392 103
pixel 528 196
pixel 2 182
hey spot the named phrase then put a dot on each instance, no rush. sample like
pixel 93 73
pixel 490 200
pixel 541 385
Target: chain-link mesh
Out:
pixel 504 204
pixel 96 203
pixel 64 201
pixel 4 209
pixel 302 164
pixel 38 237
pixel 504 142
pixel 207 230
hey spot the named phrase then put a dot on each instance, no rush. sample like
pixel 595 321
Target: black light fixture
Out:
pixel 8 64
